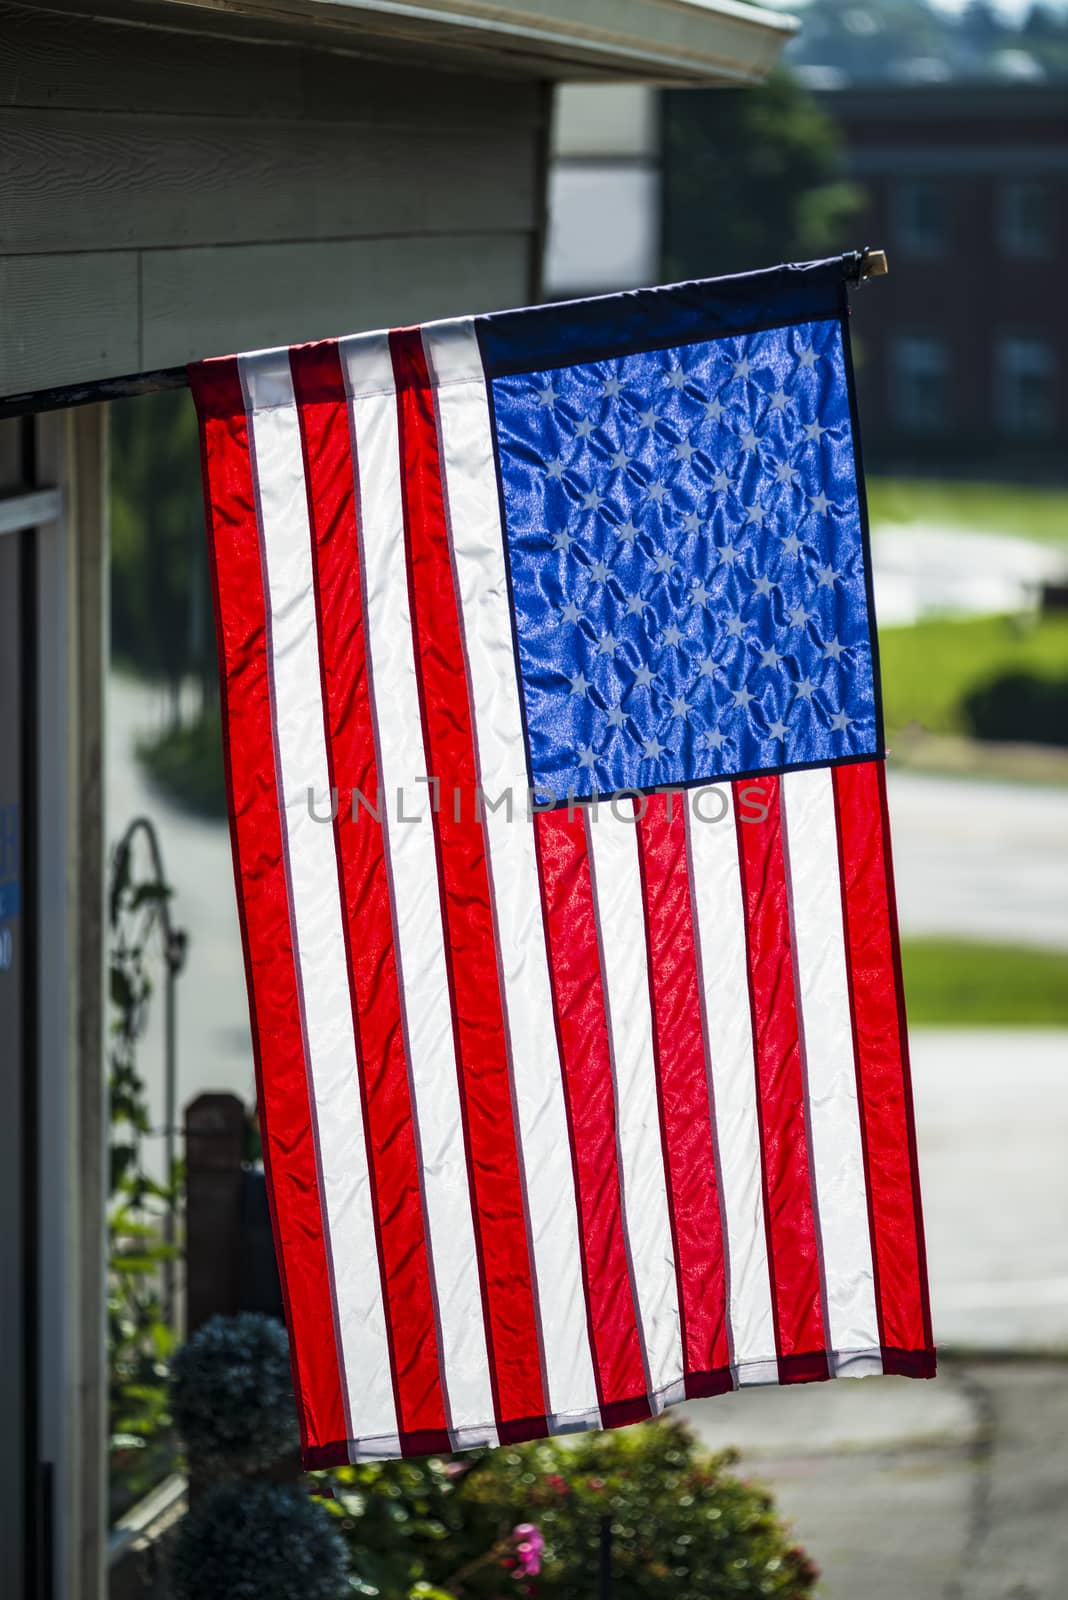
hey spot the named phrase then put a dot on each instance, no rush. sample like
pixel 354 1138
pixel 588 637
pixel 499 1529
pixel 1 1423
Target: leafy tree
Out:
pixel 980 22
pixel 1045 35
pixel 901 41
pixel 751 177
pixel 161 606
pixel 160 600
pixel 868 42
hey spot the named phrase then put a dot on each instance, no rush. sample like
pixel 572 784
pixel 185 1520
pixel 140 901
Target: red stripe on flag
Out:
pixel 793 1247
pixel 683 1090
pixel 364 889
pixel 883 1078
pixel 467 913
pixel 582 1034
pixel 285 1113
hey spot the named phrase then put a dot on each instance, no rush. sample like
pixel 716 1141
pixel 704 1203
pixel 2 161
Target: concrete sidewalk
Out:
pixel 992 1121
pixel 955 1489
pixel 979 858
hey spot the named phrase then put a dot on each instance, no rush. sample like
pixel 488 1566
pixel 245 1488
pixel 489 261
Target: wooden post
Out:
pixel 214 1145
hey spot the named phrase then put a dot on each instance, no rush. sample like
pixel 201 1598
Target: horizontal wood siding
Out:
pixel 82 181
pixel 64 319
pixel 250 297
pixel 165 196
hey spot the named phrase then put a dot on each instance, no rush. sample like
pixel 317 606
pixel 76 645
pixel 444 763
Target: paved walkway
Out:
pixel 987 860
pixel 992 1120
pixel 949 1490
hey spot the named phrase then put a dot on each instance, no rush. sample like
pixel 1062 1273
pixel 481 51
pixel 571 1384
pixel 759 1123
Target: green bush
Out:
pixel 258 1541
pixel 1019 706
pixel 232 1396
pixel 404 1521
pixel 683 1527
pixel 186 763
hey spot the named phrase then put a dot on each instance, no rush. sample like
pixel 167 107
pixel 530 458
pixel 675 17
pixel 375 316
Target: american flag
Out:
pixel 555 769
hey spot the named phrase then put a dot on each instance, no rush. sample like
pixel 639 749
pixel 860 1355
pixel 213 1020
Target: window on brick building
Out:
pixel 1024 396
pixel 921 214
pixel 920 379
pixel 1025 218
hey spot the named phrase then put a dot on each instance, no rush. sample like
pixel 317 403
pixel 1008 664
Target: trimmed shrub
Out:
pixel 258 1541
pixel 232 1397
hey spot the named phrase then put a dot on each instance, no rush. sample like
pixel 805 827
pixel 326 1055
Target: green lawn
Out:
pixel 954 982
pixel 926 668
pixel 1007 508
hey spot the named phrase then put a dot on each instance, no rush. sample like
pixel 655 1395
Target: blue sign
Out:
pixel 10 899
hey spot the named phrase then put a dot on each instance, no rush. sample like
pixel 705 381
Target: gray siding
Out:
pixel 196 300
pixel 165 196
pixel 67 318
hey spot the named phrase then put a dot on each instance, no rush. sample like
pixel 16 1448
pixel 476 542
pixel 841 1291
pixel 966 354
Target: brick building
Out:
pixel 963 351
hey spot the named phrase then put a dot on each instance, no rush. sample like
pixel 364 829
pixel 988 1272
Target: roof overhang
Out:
pixel 676 42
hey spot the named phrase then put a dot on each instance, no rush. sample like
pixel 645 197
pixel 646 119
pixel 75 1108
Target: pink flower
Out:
pixel 528 1548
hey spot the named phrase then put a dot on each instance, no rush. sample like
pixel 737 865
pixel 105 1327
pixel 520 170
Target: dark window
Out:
pixel 921 218
pixel 1025 218
pixel 920 378
pixel 1025 401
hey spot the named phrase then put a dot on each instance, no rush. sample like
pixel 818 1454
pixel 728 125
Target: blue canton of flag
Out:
pixel 688 564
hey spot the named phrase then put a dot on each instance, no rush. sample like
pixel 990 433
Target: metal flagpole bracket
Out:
pixel 860 265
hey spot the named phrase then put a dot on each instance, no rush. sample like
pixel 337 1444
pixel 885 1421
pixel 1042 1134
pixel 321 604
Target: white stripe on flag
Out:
pixel 473 513
pixel 837 1153
pixel 315 909
pixel 723 962
pixel 411 853
pixel 617 894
